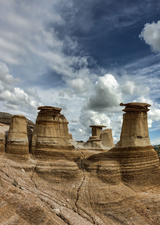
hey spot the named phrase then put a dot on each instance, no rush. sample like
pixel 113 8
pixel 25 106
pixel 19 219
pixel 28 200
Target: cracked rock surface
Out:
pixel 79 189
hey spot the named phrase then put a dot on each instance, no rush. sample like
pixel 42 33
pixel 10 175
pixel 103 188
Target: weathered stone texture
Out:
pixel 17 140
pixel 106 138
pixel 51 130
pixel 94 142
pixel 3 133
pixel 120 186
pixel 135 126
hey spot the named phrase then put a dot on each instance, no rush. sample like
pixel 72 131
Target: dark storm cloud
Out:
pixel 93 24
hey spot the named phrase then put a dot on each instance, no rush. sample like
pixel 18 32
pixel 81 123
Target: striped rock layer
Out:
pixel 137 161
pixel 51 131
pixel 17 140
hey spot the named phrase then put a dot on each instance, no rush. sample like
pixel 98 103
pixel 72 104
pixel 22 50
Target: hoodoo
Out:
pixel 17 140
pixel 51 131
pixel 138 159
pixel 94 141
pixel 135 126
pixel 106 138
pixel 3 131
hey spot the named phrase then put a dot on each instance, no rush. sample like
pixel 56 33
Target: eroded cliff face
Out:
pixel 80 187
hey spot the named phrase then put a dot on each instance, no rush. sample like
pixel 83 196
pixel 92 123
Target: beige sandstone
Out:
pixel 51 131
pixel 136 157
pixel 94 142
pixel 3 133
pixel 106 138
pixel 135 127
pixel 17 139
pixel 100 139
pixel 116 187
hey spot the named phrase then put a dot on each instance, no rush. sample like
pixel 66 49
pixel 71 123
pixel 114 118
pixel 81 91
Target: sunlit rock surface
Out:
pixel 100 139
pixel 51 131
pixel 17 139
pixel 82 187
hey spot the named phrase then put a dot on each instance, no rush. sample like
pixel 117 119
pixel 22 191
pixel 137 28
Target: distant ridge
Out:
pixel 6 119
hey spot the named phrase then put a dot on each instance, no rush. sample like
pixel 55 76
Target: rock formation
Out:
pixel 94 141
pixel 51 131
pixel 3 133
pixel 80 187
pixel 100 139
pixel 106 138
pixel 136 157
pixel 17 140
pixel 135 125
pixel 6 118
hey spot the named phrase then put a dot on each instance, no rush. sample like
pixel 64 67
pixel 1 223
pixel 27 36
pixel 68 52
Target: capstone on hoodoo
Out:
pixel 135 126
pixel 51 131
pixel 100 139
pixel 134 151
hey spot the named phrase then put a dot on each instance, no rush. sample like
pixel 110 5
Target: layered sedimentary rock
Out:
pixel 106 138
pixel 17 140
pixel 51 131
pixel 94 141
pixel 6 118
pixel 138 161
pixel 116 187
pixel 135 126
pixel 3 133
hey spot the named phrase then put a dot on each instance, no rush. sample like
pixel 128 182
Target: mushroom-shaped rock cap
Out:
pixel 18 116
pixel 97 126
pixel 49 108
pixel 135 106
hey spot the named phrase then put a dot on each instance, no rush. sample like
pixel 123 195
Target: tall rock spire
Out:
pixel 51 130
pixel 135 126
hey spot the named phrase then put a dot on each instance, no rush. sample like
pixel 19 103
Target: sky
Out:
pixel 83 56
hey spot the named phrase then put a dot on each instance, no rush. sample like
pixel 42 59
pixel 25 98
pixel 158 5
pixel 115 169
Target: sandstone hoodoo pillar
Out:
pixel 138 160
pixel 17 140
pixel 135 126
pixel 51 131
pixel 3 132
pixel 95 141
pixel 106 138
pixel 96 130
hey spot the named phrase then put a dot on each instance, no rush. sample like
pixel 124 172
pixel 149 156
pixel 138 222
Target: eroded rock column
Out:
pixel 51 130
pixel 17 140
pixel 95 141
pixel 138 159
pixel 3 132
pixel 135 126
pixel 106 138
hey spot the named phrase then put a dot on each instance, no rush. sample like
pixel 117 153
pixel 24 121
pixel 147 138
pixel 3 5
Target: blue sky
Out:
pixel 84 56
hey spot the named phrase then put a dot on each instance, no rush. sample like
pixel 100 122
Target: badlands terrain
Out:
pixel 48 178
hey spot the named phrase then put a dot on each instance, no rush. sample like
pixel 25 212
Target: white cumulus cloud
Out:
pixel 151 35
